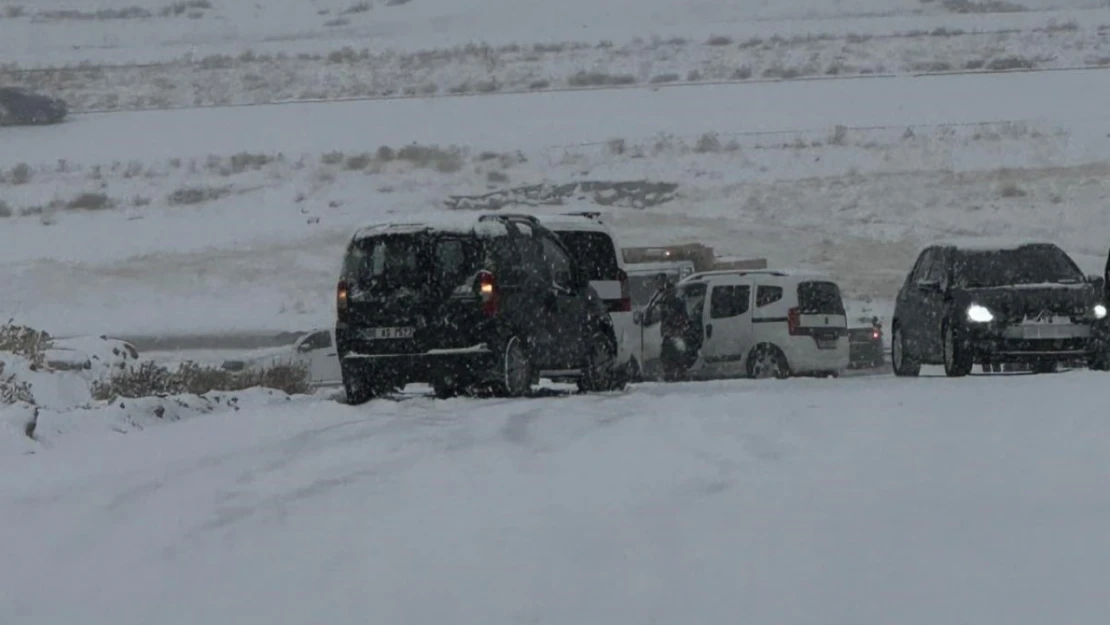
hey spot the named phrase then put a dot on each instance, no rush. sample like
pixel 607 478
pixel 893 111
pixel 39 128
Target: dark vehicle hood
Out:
pixel 1015 302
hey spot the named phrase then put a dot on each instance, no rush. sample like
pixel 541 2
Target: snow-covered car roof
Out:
pixel 579 222
pixel 664 265
pixel 988 244
pixel 794 274
pixel 446 222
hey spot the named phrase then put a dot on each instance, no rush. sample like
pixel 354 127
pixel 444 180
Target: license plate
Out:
pixel 826 343
pixel 1048 321
pixel 388 333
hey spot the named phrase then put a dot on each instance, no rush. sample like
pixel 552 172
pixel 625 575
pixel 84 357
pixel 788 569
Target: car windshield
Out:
pixel 820 297
pixel 414 261
pixel 1034 264
pixel 594 252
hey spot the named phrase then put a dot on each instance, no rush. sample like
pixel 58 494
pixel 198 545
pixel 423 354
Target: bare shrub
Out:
pixel 360 7
pixel 1010 63
pixel 5 209
pixel 140 200
pixel 386 153
pixel 90 201
pixel 1011 190
pixel 152 380
pixel 693 75
pixel 180 8
pixel 708 142
pixel 125 13
pixel 445 161
pixel 331 158
pixel 346 54
pixel 217 61
pixel 536 85
pixel 20 174
pixel 975 64
pixel 358 161
pixel 839 135
pixel 616 146
pixel 598 79
pixel 497 177
pixel 23 341
pixel 339 21
pixel 718 40
pixel 245 160
pixel 394 3
pixel 487 86
pixel 664 78
pixel 13 11
pixel 742 73
pixel 187 196
pixel 12 390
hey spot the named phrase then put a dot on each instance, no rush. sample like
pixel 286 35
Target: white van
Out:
pixel 754 323
pixel 595 248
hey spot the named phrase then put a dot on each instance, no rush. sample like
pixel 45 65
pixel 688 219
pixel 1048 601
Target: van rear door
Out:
pixel 819 314
pixel 414 291
pixel 596 254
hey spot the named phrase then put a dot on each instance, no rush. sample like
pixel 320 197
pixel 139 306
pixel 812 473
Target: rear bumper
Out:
pixel 472 363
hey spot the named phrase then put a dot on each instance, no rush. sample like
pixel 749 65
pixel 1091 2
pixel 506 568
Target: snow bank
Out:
pixel 805 501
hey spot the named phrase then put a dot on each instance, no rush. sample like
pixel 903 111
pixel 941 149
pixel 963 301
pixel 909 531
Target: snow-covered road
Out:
pixel 536 120
pixel 980 500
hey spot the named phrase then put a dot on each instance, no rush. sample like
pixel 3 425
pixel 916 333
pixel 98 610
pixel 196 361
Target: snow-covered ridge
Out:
pixel 358 72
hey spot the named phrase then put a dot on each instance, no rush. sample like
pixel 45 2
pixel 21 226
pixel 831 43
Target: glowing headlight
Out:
pixel 1100 311
pixel 979 314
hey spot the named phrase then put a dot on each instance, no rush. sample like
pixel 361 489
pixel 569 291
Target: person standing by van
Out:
pixel 673 328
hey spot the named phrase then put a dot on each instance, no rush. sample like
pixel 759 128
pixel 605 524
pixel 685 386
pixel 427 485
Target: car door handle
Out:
pixel 709 330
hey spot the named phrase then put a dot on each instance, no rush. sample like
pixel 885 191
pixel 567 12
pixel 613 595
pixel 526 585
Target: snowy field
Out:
pixel 851 501
pixel 201 53
pixel 179 221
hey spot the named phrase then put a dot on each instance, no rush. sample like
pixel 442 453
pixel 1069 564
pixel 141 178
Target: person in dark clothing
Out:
pixel 674 325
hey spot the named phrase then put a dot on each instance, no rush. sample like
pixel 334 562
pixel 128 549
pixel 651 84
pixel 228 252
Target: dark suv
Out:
pixel 484 303
pixel 1027 303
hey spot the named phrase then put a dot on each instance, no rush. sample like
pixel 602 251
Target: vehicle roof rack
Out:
pixel 507 216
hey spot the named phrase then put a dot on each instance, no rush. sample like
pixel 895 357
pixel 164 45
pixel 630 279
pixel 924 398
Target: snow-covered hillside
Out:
pixel 799 502
pixel 181 221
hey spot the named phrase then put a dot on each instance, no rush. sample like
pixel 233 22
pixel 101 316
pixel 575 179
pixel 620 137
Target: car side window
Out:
pixel 729 301
pixel 532 261
pixel 766 295
pixel 561 267
pixel 936 271
pixel 924 265
pixel 318 340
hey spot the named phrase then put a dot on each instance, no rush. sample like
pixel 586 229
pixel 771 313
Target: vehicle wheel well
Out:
pixel 768 346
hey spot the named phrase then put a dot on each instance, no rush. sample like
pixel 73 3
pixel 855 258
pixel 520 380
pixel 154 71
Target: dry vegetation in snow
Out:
pixel 250 78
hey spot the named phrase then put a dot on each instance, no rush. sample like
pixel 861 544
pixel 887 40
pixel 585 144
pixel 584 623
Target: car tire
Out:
pixel 1046 367
pixel 514 371
pixel 356 387
pixel 901 360
pixel 957 362
pixel 767 361
pixel 599 372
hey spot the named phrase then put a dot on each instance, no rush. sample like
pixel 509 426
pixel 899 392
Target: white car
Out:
pixel 595 248
pixel 759 323
pixel 314 350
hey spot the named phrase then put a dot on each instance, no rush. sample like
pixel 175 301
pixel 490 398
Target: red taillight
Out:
pixel 793 320
pixel 342 294
pixel 487 290
pixel 626 291
pixel 875 334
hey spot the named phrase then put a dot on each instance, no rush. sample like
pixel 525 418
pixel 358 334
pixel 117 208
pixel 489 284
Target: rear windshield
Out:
pixel 594 252
pixel 412 261
pixel 820 298
pixel 1034 264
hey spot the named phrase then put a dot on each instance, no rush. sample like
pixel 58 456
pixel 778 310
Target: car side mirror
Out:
pixel 638 317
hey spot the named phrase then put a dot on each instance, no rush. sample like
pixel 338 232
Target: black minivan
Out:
pixel 483 304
